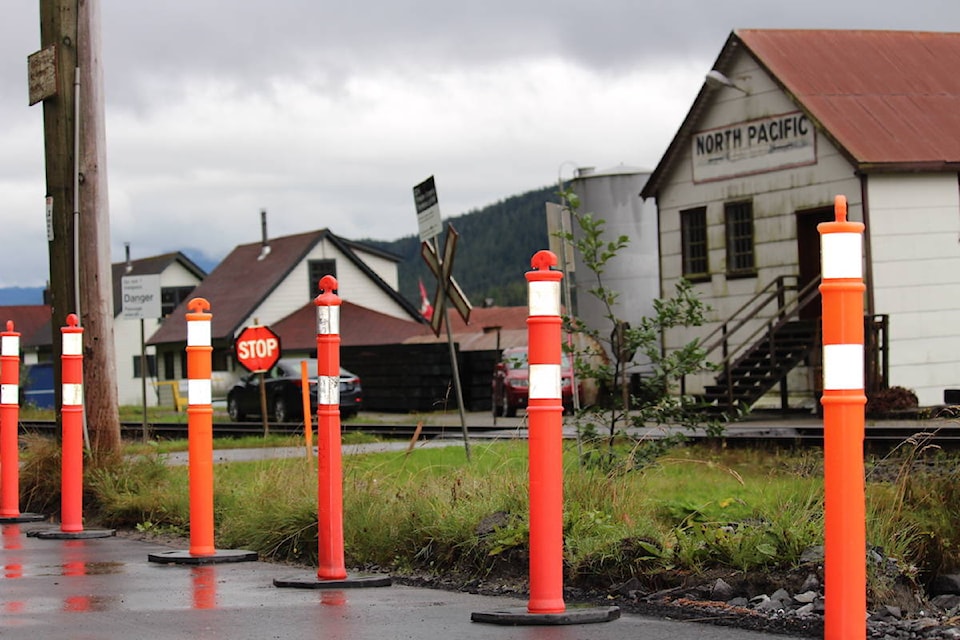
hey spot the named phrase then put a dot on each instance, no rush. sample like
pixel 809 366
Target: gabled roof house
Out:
pixel 268 281
pixel 787 120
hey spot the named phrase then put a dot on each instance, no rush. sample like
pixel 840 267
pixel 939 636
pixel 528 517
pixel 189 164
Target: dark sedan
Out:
pixel 283 385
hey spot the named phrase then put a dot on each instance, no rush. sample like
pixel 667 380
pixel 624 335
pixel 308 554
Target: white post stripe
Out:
pixel 545 382
pixel 544 298
pixel 328 320
pixel 72 395
pixel 842 255
pixel 9 393
pixel 198 333
pixel 10 346
pixel 72 344
pixel 842 366
pixel 328 390
pixel 199 392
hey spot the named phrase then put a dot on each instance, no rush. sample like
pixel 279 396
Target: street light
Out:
pixel 717 80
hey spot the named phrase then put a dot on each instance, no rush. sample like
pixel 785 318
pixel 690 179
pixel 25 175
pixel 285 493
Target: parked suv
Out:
pixel 283 386
pixel 511 382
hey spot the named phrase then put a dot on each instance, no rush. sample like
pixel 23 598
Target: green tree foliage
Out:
pixel 656 401
pixel 493 251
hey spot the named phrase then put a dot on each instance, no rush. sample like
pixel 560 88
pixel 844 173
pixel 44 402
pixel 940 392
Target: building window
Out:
pixel 170 297
pixel 693 232
pixel 151 365
pixel 739 225
pixel 316 269
pixel 169 366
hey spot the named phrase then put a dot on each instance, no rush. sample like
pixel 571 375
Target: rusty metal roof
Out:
pixel 889 100
pixel 886 97
pixel 359 326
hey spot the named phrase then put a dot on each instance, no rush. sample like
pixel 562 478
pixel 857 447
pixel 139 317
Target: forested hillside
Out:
pixel 493 252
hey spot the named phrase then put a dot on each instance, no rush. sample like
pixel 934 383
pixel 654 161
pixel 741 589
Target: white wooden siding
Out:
pixel 914 231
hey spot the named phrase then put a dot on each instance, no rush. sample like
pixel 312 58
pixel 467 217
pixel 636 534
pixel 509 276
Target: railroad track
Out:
pixel 942 433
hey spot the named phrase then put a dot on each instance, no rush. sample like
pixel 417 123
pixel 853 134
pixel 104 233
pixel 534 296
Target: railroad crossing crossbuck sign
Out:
pixel 447 287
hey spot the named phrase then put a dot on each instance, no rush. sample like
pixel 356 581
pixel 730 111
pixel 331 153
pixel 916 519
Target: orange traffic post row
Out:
pixel 200 426
pixel 545 442
pixel 545 415
pixel 331 571
pixel 330 467
pixel 199 354
pixel 843 427
pixel 10 430
pixel 71 409
pixel 71 439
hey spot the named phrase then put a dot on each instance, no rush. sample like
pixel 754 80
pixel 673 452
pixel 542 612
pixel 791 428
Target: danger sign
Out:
pixel 258 348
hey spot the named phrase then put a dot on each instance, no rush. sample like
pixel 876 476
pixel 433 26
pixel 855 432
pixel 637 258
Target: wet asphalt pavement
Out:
pixel 105 588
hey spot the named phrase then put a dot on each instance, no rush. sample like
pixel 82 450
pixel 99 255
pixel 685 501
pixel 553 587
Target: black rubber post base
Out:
pixel 350 582
pixel 220 556
pixel 573 615
pixel 86 534
pixel 23 517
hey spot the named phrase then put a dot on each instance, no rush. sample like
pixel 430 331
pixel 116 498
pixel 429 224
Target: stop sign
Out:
pixel 258 348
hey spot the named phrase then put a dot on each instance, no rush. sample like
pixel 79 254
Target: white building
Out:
pixel 788 120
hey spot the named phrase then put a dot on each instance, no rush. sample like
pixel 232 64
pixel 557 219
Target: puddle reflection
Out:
pixel 12 565
pixel 204 579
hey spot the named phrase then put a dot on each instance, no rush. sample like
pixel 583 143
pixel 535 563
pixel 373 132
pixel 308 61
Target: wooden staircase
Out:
pixel 763 365
pixel 759 345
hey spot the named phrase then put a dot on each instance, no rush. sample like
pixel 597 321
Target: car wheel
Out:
pixel 281 413
pixel 509 410
pixel 233 408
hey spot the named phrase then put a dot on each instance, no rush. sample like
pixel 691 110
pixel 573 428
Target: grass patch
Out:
pixel 693 509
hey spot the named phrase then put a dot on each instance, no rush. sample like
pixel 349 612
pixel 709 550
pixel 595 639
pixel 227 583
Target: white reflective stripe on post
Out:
pixel 198 333
pixel 842 366
pixel 9 393
pixel 72 395
pixel 328 390
pixel 199 392
pixel 10 346
pixel 328 320
pixel 544 298
pixel 545 382
pixel 842 255
pixel 72 344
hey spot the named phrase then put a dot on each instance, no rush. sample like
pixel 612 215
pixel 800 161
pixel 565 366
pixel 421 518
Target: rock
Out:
pixel 948 583
pixel 812 555
pixel 947 602
pixel 887 612
pixel 721 591
pixel 739 602
pixel 812 583
pixel 781 595
pixel 806 597
pixel 806 609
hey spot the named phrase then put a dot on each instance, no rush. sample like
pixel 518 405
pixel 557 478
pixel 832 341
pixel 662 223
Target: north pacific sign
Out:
pixel 755 146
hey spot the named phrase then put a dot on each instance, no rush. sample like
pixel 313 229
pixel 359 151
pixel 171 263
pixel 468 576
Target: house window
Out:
pixel 169 366
pixel 170 297
pixel 739 225
pixel 151 366
pixel 316 269
pixel 693 232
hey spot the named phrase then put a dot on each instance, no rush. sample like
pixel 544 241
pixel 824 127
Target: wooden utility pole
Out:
pixel 77 181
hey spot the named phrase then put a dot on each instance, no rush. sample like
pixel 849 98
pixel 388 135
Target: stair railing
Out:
pixel 785 311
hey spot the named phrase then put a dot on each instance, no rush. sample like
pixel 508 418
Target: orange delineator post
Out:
pixel 843 427
pixel 71 409
pixel 545 415
pixel 9 423
pixel 200 426
pixel 330 463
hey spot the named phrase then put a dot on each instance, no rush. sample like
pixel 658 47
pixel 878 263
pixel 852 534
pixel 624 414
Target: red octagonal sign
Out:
pixel 258 348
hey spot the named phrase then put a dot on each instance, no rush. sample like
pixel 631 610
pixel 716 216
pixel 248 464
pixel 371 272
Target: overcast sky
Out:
pixel 327 113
